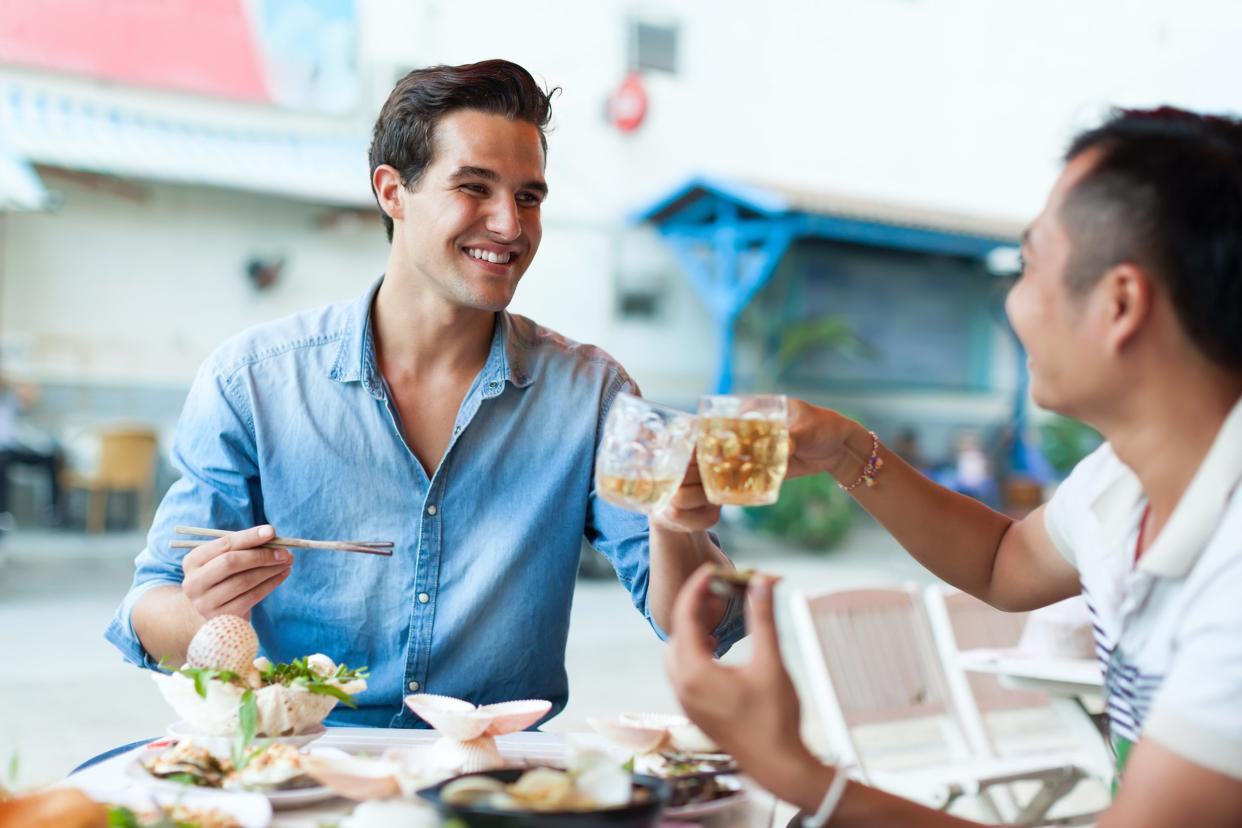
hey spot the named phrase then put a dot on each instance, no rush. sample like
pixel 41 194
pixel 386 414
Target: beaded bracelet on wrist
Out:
pixel 870 468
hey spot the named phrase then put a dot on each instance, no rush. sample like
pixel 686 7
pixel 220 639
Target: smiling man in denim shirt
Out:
pixel 424 413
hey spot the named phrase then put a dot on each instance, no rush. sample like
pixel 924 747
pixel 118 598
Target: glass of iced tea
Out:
pixel 743 448
pixel 643 454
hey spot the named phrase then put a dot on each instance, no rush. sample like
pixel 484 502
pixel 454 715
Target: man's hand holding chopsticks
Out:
pixel 231 574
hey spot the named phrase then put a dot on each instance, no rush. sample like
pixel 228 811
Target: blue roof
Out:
pixel 702 203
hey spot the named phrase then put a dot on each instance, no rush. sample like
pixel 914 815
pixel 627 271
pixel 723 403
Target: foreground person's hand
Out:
pixel 751 711
pixel 230 575
pixel 689 510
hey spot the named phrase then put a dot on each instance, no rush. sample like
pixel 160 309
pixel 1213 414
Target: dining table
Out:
pixel 121 774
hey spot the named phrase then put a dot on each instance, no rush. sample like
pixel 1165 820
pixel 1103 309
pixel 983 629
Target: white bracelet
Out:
pixel 836 790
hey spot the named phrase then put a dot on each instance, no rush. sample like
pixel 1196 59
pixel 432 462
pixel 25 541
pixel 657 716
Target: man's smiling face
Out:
pixel 471 225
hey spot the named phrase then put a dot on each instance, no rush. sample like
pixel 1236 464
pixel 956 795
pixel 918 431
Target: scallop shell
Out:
pixel 454 718
pixel 225 642
pixel 512 716
pixel 282 711
pixel 351 776
pixel 466 756
pixel 461 720
pixel 688 738
pixel 633 737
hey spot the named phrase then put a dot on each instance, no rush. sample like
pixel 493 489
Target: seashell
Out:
pixel 454 718
pixel 544 788
pixel 470 789
pixel 321 664
pixel 215 715
pixel 351 776
pixel 465 756
pixel 225 642
pixel 512 716
pixel 688 738
pixel 632 737
pixel 282 711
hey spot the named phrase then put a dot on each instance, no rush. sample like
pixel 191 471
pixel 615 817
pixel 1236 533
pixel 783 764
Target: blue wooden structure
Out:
pixel 729 237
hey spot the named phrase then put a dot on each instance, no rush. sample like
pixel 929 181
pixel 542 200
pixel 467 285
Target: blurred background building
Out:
pixel 818 197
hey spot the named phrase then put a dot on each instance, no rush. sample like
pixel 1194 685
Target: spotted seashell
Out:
pixel 226 642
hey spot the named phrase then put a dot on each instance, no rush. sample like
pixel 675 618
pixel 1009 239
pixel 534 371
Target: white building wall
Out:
pixel 956 104
pixel 138 286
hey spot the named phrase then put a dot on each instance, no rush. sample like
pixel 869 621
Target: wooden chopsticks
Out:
pixel 366 547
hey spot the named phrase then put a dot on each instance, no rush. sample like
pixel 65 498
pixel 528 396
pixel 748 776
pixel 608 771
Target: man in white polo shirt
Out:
pixel 1130 309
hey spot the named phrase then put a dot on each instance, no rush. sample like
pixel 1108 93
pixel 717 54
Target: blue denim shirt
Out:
pixel 290 423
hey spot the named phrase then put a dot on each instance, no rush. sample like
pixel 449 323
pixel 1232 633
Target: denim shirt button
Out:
pixel 423 597
pixel 414 685
pixel 431 510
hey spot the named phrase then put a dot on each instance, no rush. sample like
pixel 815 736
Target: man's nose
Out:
pixel 503 221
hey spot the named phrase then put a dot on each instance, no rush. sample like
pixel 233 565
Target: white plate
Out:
pixel 295 798
pixel 250 809
pixel 712 806
pixel 222 745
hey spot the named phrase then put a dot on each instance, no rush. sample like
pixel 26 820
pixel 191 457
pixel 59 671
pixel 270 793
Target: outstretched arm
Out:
pixel 1009 564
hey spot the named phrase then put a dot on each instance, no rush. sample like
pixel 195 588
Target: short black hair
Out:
pixel 404 133
pixel 1166 194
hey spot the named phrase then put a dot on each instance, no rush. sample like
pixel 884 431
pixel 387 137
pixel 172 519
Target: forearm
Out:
pixel 165 621
pixel 954 536
pixel 864 807
pixel 803 781
pixel 674 556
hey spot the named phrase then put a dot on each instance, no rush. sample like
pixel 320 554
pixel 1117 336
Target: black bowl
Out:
pixel 638 815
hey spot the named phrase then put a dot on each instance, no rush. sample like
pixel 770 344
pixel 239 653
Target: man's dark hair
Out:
pixel 1166 194
pixel 404 135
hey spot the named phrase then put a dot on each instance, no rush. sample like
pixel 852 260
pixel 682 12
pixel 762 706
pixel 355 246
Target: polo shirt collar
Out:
pixel 1198 512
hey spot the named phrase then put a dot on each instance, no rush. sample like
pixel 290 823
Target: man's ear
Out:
pixel 1128 295
pixel 387 183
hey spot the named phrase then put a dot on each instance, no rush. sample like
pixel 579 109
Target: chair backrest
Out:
pixel 973 624
pixel 127 459
pixel 869 658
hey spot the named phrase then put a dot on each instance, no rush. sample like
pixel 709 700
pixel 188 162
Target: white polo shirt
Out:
pixel 1168 631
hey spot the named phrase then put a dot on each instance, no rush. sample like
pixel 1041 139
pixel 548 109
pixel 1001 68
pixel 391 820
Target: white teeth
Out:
pixel 488 256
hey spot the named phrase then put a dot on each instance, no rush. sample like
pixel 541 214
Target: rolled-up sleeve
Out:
pixel 214 452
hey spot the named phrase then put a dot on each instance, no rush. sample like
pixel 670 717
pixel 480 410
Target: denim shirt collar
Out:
pixel 508 360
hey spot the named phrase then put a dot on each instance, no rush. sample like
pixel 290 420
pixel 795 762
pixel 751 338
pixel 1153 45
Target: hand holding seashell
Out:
pixel 229 575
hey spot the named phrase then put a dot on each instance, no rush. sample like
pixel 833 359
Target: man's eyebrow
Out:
pixel 492 176
pixel 475 172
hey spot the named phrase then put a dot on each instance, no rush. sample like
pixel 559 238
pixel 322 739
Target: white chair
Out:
pixel 869 657
pixel 959 622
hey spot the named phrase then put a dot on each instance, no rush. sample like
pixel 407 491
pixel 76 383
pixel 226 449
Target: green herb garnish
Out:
pixel 247 720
